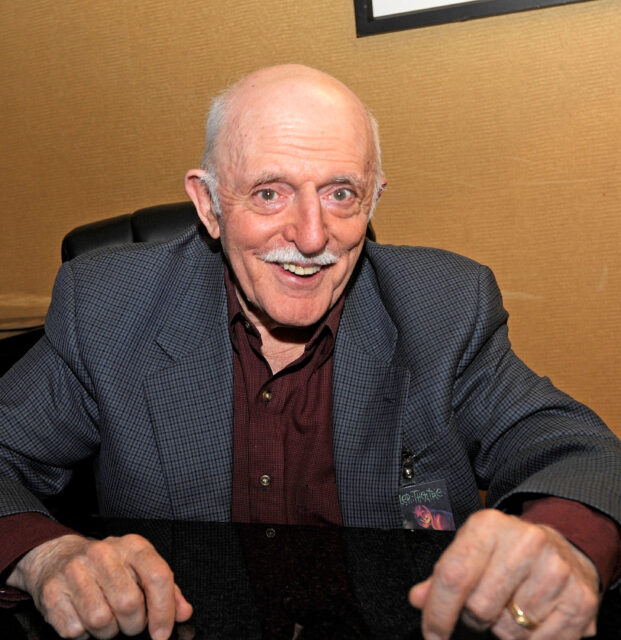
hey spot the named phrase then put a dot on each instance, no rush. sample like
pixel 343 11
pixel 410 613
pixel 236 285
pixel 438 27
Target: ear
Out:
pixel 199 195
pixel 383 187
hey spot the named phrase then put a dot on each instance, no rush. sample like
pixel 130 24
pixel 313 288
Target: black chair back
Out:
pixel 150 224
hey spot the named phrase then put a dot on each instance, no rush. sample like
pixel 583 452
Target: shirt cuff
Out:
pixel 20 533
pixel 595 534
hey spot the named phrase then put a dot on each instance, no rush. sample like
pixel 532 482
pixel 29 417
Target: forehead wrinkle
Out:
pixel 292 162
pixel 319 125
pixel 306 171
pixel 302 136
pixel 332 148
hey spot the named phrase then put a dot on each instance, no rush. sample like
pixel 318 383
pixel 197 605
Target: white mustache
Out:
pixel 291 254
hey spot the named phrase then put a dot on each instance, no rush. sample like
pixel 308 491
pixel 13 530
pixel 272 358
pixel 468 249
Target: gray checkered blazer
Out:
pixel 136 368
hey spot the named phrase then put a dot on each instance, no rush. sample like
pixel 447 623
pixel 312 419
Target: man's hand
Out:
pixel 101 587
pixel 496 559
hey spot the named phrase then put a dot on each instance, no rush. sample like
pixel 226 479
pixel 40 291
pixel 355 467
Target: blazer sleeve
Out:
pixel 525 437
pixel 48 412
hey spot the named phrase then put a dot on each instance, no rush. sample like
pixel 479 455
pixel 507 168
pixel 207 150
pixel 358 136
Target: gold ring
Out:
pixel 520 617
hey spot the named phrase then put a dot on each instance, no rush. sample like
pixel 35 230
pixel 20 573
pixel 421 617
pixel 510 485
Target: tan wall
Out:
pixel 501 141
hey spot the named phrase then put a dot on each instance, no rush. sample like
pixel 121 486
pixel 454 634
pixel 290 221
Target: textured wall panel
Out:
pixel 501 140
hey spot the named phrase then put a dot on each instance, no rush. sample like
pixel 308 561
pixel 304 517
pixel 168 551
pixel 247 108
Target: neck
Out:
pixel 281 345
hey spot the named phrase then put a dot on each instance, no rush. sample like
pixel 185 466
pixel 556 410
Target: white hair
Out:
pixel 216 118
pixel 210 181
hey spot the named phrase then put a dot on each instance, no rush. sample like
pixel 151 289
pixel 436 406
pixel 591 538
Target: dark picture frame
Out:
pixel 367 24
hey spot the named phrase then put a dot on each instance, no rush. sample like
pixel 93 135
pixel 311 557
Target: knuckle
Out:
pixel 73 631
pixel 135 541
pixel 159 575
pixel 489 516
pixel 98 617
pixel 67 626
pixel 451 573
pixel 483 518
pixel 50 593
pixel 589 604
pixel 558 567
pixel 504 631
pixel 129 603
pixel 533 537
pixel 482 609
pixel 99 549
pixel 569 610
pixel 75 566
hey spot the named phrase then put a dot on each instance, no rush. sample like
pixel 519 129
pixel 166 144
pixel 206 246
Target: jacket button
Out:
pixel 265 480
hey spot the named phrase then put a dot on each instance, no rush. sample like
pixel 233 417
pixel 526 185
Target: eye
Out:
pixel 269 195
pixel 342 194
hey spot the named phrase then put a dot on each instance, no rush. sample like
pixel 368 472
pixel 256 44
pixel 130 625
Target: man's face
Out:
pixel 298 176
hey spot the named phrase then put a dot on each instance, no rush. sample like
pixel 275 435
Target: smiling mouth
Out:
pixel 299 270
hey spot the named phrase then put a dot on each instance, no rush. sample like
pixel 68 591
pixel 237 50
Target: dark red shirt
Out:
pixel 283 464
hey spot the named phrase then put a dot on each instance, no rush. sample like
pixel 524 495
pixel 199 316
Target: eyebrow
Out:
pixel 267 178
pixel 357 184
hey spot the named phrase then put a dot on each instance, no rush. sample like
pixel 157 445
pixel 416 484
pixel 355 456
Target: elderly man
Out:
pixel 298 374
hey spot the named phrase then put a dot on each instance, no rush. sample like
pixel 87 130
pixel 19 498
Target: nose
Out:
pixel 306 227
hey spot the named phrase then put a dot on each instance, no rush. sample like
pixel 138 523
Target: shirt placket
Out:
pixel 266 461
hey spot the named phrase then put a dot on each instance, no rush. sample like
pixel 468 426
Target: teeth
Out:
pixel 300 271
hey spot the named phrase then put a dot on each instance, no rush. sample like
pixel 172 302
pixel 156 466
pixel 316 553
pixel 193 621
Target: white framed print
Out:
pixel 379 16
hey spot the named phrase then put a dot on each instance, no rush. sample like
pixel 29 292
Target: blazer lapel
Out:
pixel 369 400
pixel 190 400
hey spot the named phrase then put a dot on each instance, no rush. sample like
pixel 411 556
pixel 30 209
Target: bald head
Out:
pixel 290 95
pixel 292 173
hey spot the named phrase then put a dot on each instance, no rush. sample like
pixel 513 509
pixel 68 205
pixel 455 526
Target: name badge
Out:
pixel 426 506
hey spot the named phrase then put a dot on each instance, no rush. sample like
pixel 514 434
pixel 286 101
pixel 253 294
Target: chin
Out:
pixel 297 322
pixel 297 318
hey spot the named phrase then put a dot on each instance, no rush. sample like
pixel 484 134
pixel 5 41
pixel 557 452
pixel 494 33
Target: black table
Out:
pixel 257 581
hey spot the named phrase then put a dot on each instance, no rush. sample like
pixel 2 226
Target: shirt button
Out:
pixel 265 480
pixel 266 394
pixel 270 532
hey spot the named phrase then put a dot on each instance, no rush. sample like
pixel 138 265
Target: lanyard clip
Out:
pixel 407 464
